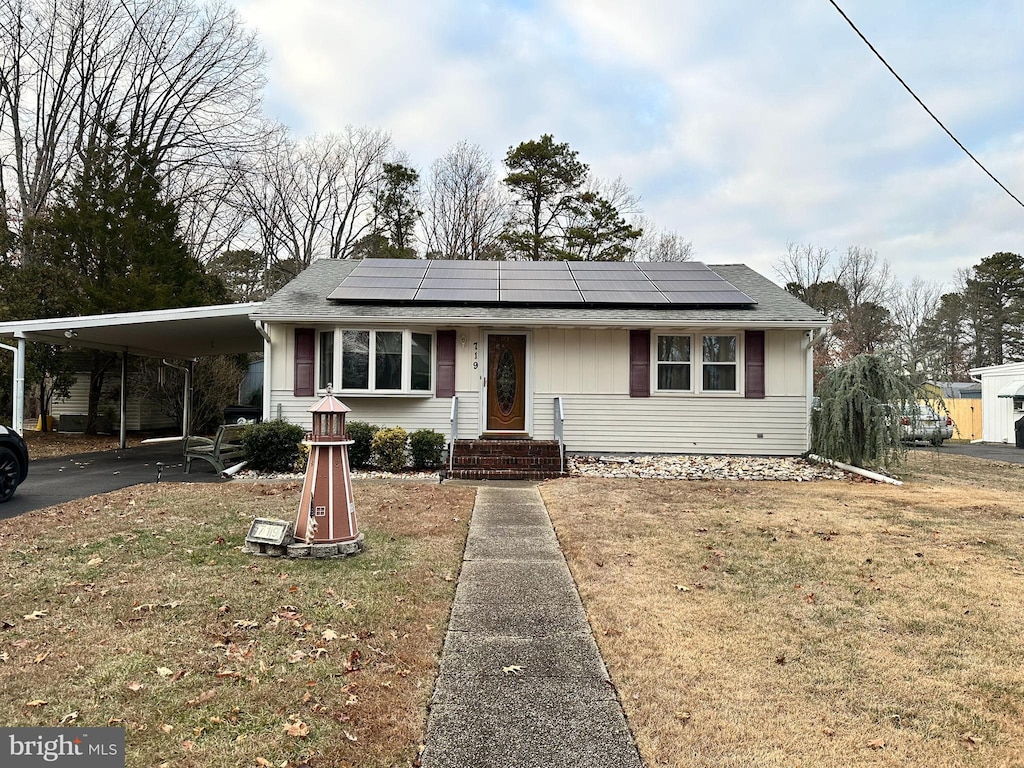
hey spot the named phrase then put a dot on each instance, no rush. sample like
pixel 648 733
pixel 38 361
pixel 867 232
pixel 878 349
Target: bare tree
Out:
pixel 659 245
pixel 466 209
pixel 179 81
pixel 314 199
pixel 913 305
pixel 804 266
pixel 864 275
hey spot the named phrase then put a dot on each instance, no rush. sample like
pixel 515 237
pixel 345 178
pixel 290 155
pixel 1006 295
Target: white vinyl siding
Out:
pixel 709 424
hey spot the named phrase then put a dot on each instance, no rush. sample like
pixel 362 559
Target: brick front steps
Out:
pixel 505 460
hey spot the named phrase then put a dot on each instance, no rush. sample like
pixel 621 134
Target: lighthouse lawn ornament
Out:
pixel 326 522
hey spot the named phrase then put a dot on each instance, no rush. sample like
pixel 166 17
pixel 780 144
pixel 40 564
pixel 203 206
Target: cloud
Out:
pixel 742 125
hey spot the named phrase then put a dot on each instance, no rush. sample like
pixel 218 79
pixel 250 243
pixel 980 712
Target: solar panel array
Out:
pixel 668 284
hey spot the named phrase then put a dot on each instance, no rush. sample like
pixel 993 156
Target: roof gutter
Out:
pixel 555 322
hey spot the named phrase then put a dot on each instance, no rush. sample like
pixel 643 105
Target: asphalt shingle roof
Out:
pixel 304 299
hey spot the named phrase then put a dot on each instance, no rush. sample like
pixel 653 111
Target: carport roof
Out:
pixel 183 333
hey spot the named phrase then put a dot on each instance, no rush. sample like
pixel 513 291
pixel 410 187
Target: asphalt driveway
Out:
pixel 990 451
pixel 55 481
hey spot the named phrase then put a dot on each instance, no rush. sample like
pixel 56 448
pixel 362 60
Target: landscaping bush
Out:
pixel 426 446
pixel 362 433
pixel 272 446
pixel 389 449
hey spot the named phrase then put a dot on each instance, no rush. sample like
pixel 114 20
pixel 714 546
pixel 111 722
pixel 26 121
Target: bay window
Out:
pixel 389 362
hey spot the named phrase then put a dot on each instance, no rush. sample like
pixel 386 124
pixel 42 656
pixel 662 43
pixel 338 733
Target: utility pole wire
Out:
pixel 923 105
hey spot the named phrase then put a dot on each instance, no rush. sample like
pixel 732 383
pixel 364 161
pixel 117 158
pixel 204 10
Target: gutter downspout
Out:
pixel 266 368
pixel 186 416
pixel 123 431
pixel 813 337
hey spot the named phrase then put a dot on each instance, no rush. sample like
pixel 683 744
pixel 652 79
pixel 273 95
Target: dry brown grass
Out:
pixel 47 445
pixel 137 608
pixel 824 624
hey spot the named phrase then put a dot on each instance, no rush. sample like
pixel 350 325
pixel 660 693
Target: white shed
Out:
pixel 1002 400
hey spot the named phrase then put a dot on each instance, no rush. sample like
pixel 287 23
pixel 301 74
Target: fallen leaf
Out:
pixel 164 672
pixel 353 660
pixel 247 625
pixel 70 717
pixel 166 728
pixel 95 561
pixel 682 587
pixel 36 703
pixel 329 634
pixel 349 736
pixel 41 657
pixel 202 698
pixel 145 607
pixel 513 669
pixel 684 716
pixel 34 616
pixel 135 686
pixel 971 741
pixel 262 762
pixel 298 729
pixel 187 745
pixel 296 656
pixel 876 744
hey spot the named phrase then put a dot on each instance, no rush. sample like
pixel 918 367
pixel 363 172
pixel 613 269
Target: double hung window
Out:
pixel 717 365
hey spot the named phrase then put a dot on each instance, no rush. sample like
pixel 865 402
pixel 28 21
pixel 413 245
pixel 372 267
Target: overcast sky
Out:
pixel 743 125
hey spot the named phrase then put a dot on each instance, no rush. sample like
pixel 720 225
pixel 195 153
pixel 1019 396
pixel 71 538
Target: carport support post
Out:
pixel 124 400
pixel 18 385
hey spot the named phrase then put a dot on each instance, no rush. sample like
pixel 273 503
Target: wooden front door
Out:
pixel 506 383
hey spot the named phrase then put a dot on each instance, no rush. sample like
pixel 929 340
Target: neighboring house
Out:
pixel 1002 398
pixel 645 358
pixel 961 400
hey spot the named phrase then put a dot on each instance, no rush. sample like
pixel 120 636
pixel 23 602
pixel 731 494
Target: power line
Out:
pixel 923 105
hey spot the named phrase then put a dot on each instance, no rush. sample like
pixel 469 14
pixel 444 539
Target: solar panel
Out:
pixel 534 296
pixel 690 285
pixel 550 284
pixel 463 266
pixel 343 292
pixel 545 282
pixel 624 297
pixel 442 295
pixel 488 283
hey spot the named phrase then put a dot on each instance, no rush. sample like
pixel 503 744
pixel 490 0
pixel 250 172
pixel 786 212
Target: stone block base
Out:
pixel 342 549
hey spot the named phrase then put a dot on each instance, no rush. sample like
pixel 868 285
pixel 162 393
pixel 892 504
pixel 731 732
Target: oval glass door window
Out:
pixel 506 382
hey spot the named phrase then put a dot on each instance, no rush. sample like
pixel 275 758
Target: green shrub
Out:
pixel 361 450
pixel 426 446
pixel 389 449
pixel 272 446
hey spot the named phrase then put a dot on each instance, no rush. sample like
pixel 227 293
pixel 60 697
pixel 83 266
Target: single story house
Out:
pixel 1002 399
pixel 610 356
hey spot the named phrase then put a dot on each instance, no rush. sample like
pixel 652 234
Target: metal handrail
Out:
pixel 453 432
pixel 560 431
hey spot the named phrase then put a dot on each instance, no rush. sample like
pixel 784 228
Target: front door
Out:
pixel 506 383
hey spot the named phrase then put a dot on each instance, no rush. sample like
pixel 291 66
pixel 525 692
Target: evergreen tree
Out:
pixel 397 210
pixel 114 242
pixel 545 177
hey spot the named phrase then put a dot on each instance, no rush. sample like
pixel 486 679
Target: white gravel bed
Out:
pixel 672 467
pixel 703 468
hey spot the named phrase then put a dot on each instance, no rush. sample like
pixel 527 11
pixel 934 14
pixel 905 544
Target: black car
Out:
pixel 13 462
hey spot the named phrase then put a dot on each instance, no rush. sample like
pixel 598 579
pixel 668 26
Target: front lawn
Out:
pixel 138 609
pixel 821 624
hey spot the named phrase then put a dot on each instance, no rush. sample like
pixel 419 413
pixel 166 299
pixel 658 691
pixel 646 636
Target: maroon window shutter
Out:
pixel 445 386
pixel 305 345
pixel 754 354
pixel 639 363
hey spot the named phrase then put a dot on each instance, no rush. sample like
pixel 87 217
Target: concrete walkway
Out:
pixel 521 682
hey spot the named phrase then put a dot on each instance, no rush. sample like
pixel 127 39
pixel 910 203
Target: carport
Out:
pixel 176 336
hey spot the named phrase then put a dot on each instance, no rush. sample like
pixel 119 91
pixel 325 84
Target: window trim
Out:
pixel 371 390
